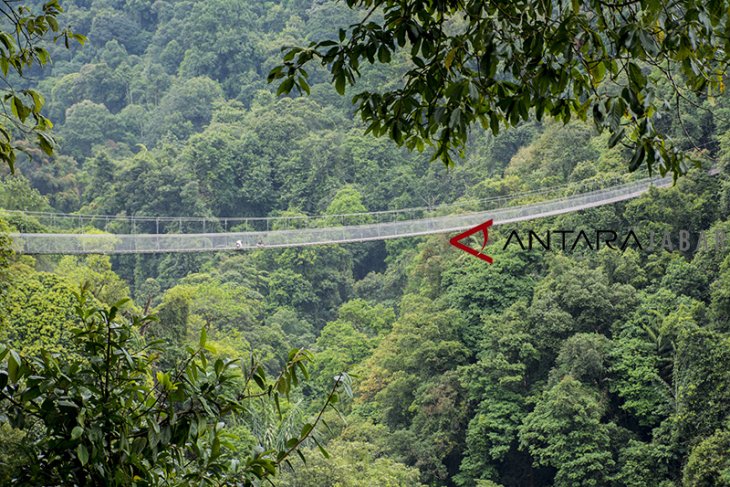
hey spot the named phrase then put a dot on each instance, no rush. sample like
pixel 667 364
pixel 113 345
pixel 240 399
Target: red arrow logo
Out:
pixel 482 227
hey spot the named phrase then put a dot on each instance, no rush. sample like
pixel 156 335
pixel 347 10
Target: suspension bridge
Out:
pixel 110 234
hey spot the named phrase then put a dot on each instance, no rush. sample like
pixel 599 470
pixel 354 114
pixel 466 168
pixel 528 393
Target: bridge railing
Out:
pixel 398 226
pixel 141 224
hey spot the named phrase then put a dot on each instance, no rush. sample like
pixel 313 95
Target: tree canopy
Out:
pixel 624 65
pixel 559 367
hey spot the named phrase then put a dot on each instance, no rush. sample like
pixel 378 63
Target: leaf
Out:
pixel 615 138
pixel 218 366
pixel 43 56
pixel 340 83
pixel 304 85
pixel 306 429
pixel 275 73
pixel 278 404
pixel 14 363
pixel 324 452
pixel 290 55
pixel 259 381
pixel 269 466
pixel 384 55
pixel 636 76
pixel 285 86
pixel 455 118
pixel 282 386
pixel 7 42
pixel 19 109
pixel 67 404
pixel 83 454
pixel 76 432
pixel 637 159
pixel 450 58
pixel 597 72
pixel 301 455
pixel 292 442
pixel 121 303
pixel 46 143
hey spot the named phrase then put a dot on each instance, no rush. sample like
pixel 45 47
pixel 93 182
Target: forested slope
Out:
pixel 602 368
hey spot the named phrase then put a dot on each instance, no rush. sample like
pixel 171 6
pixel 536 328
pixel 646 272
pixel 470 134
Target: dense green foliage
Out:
pixel 111 416
pixel 501 63
pixel 595 368
pixel 24 27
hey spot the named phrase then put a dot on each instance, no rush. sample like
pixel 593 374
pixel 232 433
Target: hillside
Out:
pixel 593 367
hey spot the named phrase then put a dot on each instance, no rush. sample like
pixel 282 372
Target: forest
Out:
pixel 389 363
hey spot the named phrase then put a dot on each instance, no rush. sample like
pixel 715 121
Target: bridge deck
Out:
pixel 132 243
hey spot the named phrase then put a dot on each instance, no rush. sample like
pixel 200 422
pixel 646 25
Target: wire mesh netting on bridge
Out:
pixel 178 234
pixel 140 224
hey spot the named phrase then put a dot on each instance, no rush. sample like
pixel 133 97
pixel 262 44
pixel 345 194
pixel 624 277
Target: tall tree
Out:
pixel 565 432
